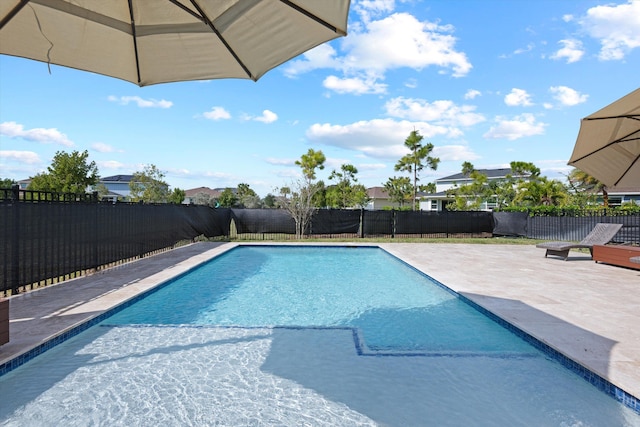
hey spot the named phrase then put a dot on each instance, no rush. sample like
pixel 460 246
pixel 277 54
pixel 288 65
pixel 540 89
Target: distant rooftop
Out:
pixel 490 173
pixel 205 190
pixel 377 193
pixel 117 178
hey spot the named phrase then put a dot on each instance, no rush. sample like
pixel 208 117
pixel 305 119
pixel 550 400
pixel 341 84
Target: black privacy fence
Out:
pixel 46 242
pixel 569 228
pixel 45 239
pixel 276 223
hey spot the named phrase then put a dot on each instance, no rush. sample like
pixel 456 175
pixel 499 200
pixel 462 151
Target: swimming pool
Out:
pixel 235 342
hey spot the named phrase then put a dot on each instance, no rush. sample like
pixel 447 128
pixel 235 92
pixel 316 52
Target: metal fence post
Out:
pixel 15 241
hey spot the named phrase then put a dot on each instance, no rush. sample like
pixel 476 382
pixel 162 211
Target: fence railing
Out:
pixel 570 228
pixel 47 241
pixel 47 238
pixel 17 194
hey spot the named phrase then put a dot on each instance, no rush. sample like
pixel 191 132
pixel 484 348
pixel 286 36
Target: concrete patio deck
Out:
pixel 585 310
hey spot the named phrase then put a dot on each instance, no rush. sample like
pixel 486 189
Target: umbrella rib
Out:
pixel 620 116
pixel 135 41
pixel 13 13
pixel 314 17
pixel 186 9
pixel 222 39
pixel 627 170
pixel 623 138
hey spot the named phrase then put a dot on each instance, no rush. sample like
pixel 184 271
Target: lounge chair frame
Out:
pixel 601 234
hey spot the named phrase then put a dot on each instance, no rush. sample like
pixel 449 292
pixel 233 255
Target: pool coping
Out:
pixel 115 288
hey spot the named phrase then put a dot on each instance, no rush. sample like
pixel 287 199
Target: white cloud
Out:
pixel 217 113
pixel 45 136
pixel 111 164
pixel 140 102
pixel 354 85
pixel 362 167
pixel 368 8
pixel 518 97
pixel 21 156
pixel 334 163
pixel 448 153
pixel 617 27
pixel 289 173
pixel 396 41
pixel 267 117
pixel 411 83
pixel 323 56
pixel 441 112
pixel 102 147
pixel 378 138
pixel 280 162
pixel 571 50
pixel 522 50
pixel 567 96
pixel 222 175
pixel 472 94
pixel 400 40
pixel 519 127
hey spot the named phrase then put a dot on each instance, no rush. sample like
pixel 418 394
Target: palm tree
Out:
pixel 582 181
pixel 542 192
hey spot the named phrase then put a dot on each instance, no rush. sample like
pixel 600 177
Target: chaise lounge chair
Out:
pixel 601 234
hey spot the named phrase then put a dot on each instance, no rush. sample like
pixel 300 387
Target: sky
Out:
pixel 486 82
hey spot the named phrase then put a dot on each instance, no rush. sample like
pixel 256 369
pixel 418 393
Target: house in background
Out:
pixel 619 195
pixel 117 187
pixel 191 195
pixel 379 199
pixel 24 183
pixel 438 201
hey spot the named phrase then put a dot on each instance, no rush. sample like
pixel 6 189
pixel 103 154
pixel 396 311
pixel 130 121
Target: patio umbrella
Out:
pixel 608 144
pixel 159 41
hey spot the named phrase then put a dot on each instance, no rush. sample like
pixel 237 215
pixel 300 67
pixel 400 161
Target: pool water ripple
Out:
pixel 265 336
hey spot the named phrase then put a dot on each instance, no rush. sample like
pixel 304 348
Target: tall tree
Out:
pixel 228 198
pixel 247 197
pixel 343 193
pixel 269 201
pixel 149 186
pixel 68 173
pixel 399 190
pixel 470 196
pixel 467 168
pixel 429 188
pixel 6 182
pixel 176 196
pixel 418 157
pixel 359 196
pixel 501 193
pixel 300 204
pixel 310 162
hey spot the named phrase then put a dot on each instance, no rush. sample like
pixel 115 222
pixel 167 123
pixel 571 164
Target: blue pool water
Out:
pixel 302 336
pixel 395 307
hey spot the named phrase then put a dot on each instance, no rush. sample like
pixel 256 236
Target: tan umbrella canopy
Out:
pixel 159 41
pixel 608 144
